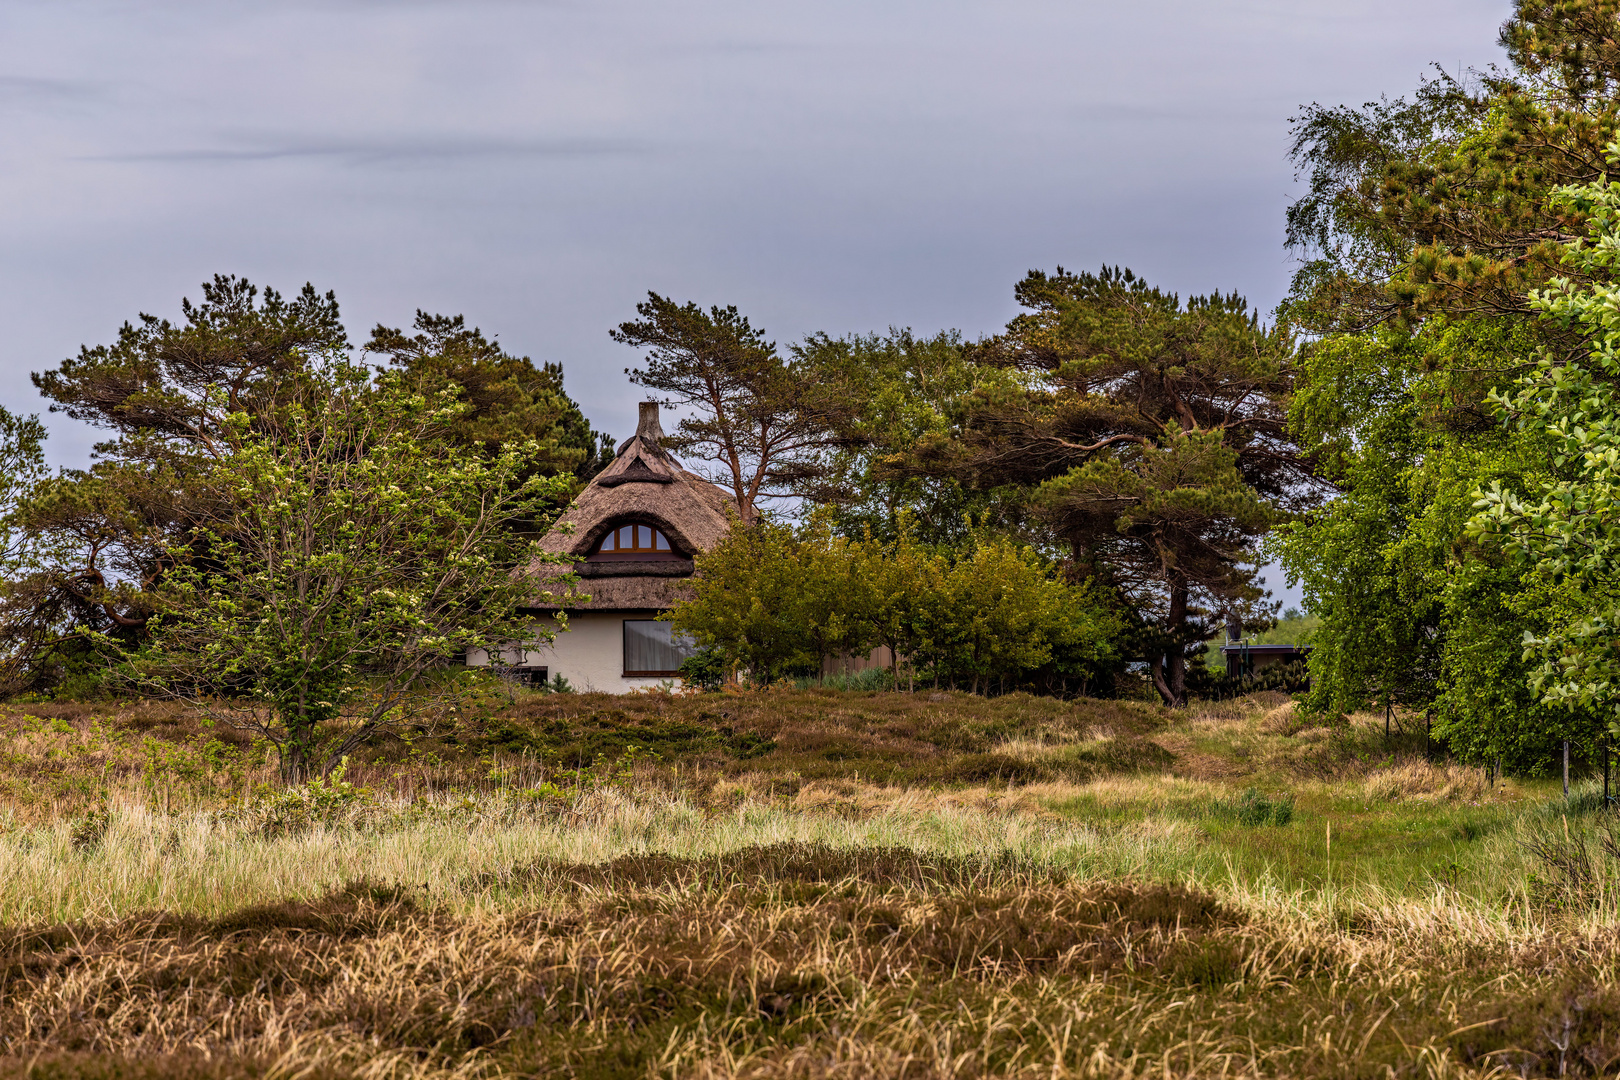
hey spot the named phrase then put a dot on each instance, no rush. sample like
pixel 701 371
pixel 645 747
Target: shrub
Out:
pixel 705 669
pixel 318 801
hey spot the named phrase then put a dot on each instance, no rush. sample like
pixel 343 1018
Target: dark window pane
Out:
pixel 650 645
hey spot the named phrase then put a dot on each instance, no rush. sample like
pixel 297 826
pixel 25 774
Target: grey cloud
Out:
pixel 386 151
pixel 540 164
pixel 34 89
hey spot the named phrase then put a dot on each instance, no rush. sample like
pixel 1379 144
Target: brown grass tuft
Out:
pixel 1420 780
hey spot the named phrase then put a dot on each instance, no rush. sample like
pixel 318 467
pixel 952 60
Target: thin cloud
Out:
pixel 31 88
pixel 372 152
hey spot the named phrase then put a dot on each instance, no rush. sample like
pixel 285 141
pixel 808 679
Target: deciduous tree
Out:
pixel 350 556
pixel 174 396
pixel 899 389
pixel 1567 533
pixel 986 617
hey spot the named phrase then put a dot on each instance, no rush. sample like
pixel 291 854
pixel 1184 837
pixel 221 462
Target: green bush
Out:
pixel 705 669
pixel 992 616
pixel 317 801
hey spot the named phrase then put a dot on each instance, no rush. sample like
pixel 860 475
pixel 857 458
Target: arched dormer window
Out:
pixel 634 542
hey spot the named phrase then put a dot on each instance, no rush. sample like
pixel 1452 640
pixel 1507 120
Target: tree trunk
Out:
pixel 1170 670
pixel 1566 768
pixel 295 758
pixel 1178 680
pixel 1156 668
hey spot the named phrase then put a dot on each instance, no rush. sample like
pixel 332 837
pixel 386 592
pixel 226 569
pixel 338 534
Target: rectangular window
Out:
pixel 653 648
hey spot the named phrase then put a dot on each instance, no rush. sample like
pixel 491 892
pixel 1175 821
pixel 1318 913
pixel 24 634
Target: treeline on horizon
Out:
pixel 1422 434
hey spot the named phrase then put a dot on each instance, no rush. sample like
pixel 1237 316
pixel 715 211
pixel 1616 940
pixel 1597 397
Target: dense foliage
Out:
pixel 1430 226
pixel 1150 437
pixel 774 601
pixel 346 558
pixel 508 399
pixel 177 398
pixel 1566 531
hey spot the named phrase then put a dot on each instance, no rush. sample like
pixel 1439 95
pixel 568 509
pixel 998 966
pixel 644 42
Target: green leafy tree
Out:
pixel 1567 533
pixel 350 556
pixel 1425 225
pixel 747 602
pixel 174 395
pixel 1439 204
pixel 987 618
pixel 899 389
pixel 1088 638
pixel 1414 615
pixel 171 394
pixel 839 604
pixel 996 617
pixel 776 603
pixel 899 577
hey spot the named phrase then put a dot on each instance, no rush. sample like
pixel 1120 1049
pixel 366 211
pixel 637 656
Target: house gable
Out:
pixel 643 485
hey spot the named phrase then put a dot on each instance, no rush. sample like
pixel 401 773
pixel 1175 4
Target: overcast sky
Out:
pixel 840 166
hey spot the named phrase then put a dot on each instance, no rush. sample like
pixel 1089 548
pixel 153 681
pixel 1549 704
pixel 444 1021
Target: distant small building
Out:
pixel 1244 659
pixel 633 533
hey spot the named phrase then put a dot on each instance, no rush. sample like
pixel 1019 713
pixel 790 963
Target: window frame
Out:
pixel 633 554
pixel 624 651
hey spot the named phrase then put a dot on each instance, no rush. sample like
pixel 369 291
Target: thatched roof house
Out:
pixel 633 533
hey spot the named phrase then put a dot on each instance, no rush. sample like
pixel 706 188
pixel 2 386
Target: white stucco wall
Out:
pixel 590 655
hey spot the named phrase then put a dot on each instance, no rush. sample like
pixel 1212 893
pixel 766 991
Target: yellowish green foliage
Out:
pixel 777 602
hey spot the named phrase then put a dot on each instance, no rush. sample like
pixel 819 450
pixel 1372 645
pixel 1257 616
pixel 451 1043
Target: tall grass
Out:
pixel 457 850
pixel 1287 902
pixel 209 863
pixel 868 680
pixel 503 945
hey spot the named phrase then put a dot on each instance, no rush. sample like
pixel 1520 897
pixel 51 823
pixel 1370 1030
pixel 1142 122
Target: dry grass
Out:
pixel 806 961
pixel 795 885
pixel 456 852
pixel 1421 780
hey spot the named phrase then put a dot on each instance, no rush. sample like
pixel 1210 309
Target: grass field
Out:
pixel 799 884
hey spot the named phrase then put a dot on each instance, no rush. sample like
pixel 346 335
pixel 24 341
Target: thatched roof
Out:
pixel 645 485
